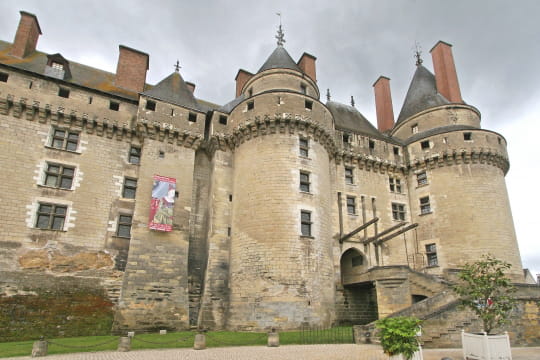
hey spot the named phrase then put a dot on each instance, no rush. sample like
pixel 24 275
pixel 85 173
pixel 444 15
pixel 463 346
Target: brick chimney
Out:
pixel 27 35
pixel 445 72
pixel 383 104
pixel 242 78
pixel 191 86
pixel 307 64
pixel 131 69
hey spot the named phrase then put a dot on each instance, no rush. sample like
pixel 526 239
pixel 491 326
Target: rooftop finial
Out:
pixel 418 53
pixel 352 101
pixel 177 66
pixel 280 34
pixel 327 94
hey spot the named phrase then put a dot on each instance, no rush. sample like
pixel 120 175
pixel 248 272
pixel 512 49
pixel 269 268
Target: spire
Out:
pixel 280 34
pixel 352 101
pixel 327 94
pixel 418 53
pixel 177 66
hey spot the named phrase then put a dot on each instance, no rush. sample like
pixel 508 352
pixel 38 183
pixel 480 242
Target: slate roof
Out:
pixel 279 59
pixel 348 118
pixel 422 94
pixel 174 90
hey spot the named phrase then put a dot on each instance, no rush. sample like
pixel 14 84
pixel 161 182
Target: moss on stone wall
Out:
pixel 58 313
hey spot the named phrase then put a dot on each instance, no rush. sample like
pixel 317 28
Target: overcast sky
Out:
pixel 496 46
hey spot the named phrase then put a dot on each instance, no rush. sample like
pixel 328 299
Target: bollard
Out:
pixel 273 338
pixel 124 344
pixel 200 342
pixel 39 348
pixel 162 332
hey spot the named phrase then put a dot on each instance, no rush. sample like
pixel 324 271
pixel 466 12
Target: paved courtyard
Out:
pixel 293 352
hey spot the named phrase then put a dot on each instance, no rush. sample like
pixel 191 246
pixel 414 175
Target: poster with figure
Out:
pixel 161 208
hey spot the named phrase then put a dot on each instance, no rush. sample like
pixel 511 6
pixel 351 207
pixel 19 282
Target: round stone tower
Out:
pixel 456 181
pixel 281 272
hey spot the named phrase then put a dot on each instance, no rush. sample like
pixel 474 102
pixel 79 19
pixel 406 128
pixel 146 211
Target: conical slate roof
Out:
pixel 174 90
pixel 422 94
pixel 348 118
pixel 279 59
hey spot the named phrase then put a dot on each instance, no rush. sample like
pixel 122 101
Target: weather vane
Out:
pixel 327 94
pixel 280 34
pixel 177 66
pixel 352 101
pixel 418 53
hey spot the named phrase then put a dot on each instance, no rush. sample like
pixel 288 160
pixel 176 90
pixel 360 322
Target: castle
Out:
pixel 276 209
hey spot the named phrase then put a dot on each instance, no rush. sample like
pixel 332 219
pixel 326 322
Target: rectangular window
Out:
pixel 114 106
pixel 395 185
pixel 251 105
pixel 309 105
pixel 357 261
pixel 3 77
pixel 134 156
pixel 421 178
pixel 467 136
pixel 63 92
pixel 304 147
pixel 371 144
pixel 398 212
pixel 51 216
pixel 150 105
pixel 349 178
pixel 64 140
pixel 414 129
pixel 425 207
pixel 192 117
pixel 431 254
pixel 57 66
pixel 222 119
pixel 303 89
pixel 59 176
pixel 304 181
pixel 124 226
pixel 305 221
pixel 396 150
pixel 351 205
pixel 424 145
pixel 346 139
pixel 130 188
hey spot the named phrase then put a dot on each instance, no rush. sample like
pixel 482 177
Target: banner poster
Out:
pixel 161 207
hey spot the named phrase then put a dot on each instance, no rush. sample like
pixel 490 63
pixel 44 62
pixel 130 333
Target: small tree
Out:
pixel 485 289
pixel 398 335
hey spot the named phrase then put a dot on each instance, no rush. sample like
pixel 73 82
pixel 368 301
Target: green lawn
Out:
pixel 155 341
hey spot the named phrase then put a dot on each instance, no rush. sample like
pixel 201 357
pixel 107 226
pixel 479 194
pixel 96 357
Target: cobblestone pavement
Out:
pixel 294 352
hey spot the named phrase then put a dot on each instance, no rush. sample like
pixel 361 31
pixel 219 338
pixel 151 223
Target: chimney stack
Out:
pixel 27 35
pixel 191 86
pixel 131 69
pixel 445 72
pixel 383 104
pixel 242 78
pixel 307 64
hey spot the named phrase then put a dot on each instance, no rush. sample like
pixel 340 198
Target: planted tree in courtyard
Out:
pixel 485 289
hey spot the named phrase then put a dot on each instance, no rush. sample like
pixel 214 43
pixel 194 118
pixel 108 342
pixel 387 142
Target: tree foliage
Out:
pixel 399 335
pixel 485 289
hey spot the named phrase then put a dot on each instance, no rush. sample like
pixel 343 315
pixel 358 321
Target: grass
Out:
pixel 182 339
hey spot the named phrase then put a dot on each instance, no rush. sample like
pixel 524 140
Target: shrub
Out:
pixel 399 335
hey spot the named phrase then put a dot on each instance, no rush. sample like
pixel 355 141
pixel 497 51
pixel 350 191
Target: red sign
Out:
pixel 161 207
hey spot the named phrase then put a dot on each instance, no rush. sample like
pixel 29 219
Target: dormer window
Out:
pixel 57 66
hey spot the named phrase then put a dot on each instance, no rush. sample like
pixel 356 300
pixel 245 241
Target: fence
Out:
pixel 319 335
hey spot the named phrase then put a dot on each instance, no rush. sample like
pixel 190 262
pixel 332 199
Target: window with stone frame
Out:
pixel 398 212
pixel 51 216
pixel 425 206
pixel 130 188
pixel 59 176
pixel 351 205
pixel 4 77
pixel 303 147
pixel 64 139
pixel 431 255
pixel 421 178
pixel 305 222
pixel 395 184
pixel 304 181
pixel 134 156
pixel 124 226
pixel 349 175
pixel 150 105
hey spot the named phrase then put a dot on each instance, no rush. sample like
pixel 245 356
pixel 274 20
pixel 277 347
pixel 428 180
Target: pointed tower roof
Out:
pixel 174 90
pixel 422 94
pixel 279 59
